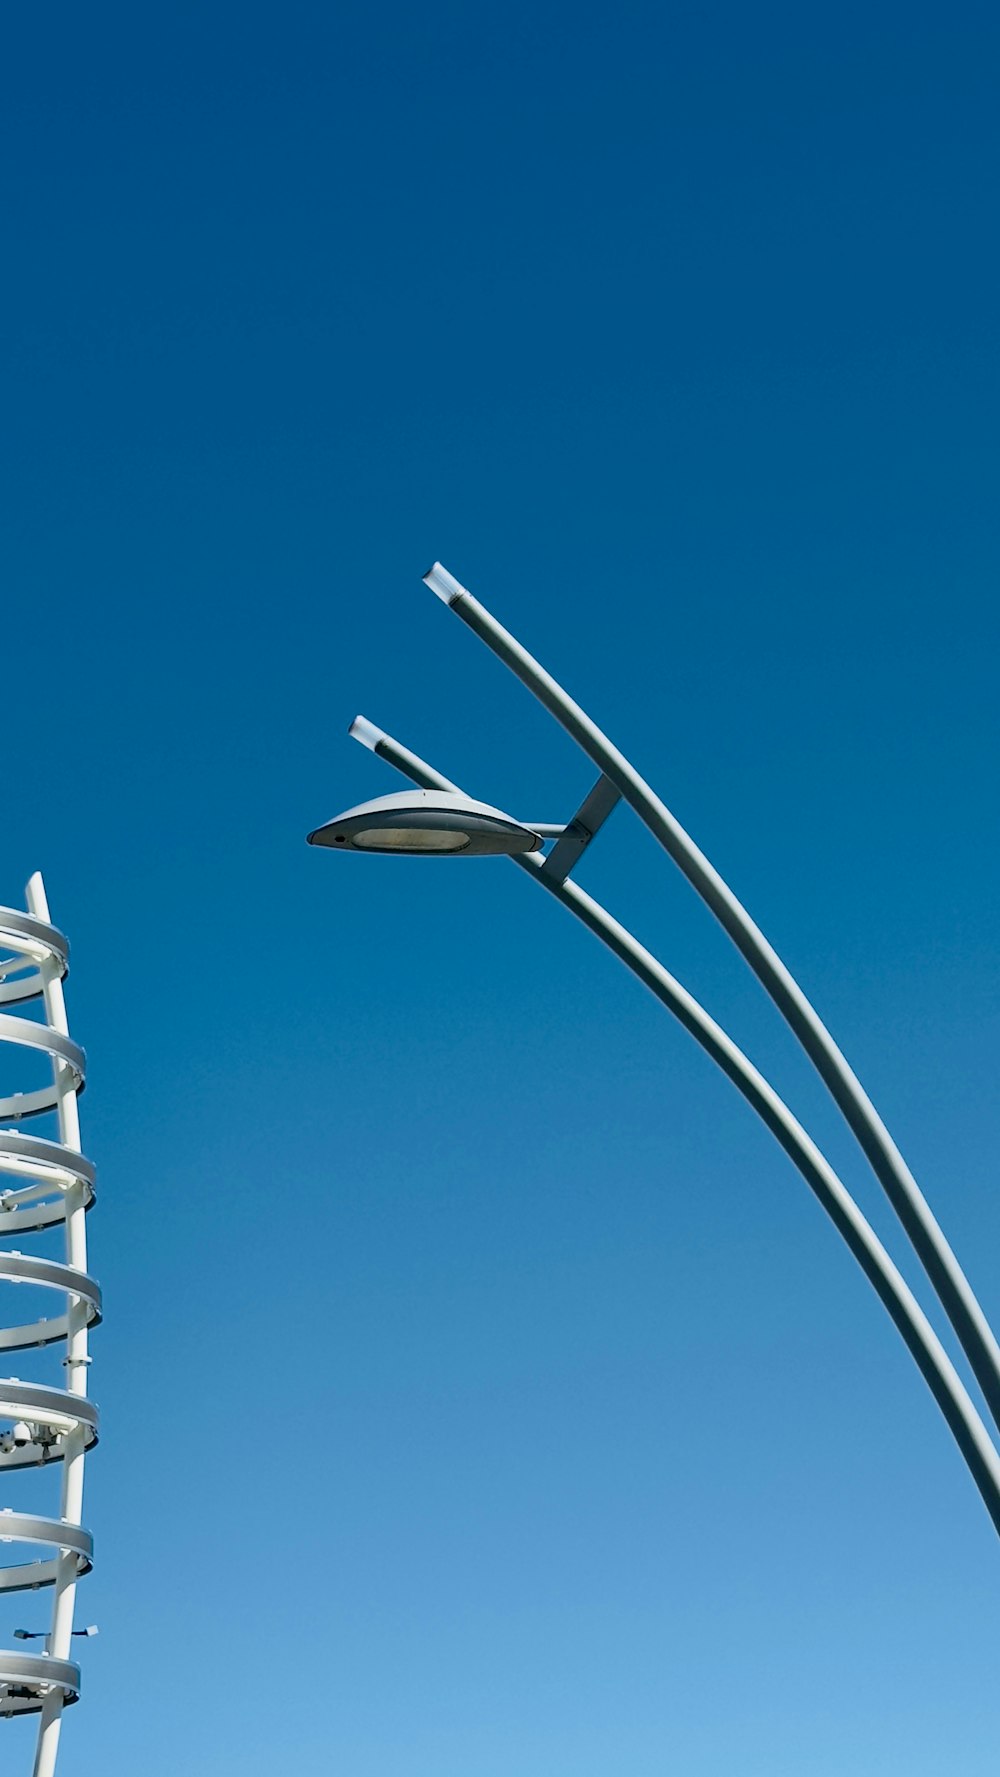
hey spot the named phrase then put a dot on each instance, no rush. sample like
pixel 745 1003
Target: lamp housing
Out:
pixel 427 823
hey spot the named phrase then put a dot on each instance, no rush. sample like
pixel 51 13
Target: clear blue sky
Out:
pixel 484 1395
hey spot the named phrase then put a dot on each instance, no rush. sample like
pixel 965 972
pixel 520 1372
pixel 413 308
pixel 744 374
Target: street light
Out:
pixel 428 824
pixel 620 781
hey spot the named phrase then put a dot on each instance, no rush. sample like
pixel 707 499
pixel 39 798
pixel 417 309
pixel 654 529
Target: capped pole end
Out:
pixel 35 896
pixel 447 588
pixel 367 733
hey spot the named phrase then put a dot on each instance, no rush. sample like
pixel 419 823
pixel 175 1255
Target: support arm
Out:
pixel 908 1317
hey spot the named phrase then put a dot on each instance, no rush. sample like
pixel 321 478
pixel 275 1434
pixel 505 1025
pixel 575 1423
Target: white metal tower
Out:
pixel 46 1186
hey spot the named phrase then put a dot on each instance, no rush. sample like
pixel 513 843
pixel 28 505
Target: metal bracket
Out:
pixel 588 819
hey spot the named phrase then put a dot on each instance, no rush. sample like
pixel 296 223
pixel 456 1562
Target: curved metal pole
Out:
pixel 922 1342
pixel 946 1275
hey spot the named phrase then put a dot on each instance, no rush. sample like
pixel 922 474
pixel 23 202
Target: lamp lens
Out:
pixel 412 839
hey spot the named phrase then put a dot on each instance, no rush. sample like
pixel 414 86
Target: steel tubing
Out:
pixel 923 1344
pixel 946 1276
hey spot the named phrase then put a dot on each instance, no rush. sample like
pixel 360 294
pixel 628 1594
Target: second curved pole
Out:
pixel 935 1254
pixel 922 1342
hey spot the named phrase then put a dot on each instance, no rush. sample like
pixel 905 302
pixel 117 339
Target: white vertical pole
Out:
pixel 64 1600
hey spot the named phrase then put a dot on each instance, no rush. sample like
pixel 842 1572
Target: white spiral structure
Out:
pixel 45 1185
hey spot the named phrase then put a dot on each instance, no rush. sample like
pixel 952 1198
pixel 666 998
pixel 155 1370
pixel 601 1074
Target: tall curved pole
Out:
pixel 47 1184
pixel 922 1342
pixel 946 1275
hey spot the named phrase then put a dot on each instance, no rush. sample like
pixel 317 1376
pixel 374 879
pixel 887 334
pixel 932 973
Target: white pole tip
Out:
pixel 366 732
pixel 444 584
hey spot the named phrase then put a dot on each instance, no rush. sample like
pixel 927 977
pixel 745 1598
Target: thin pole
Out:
pixel 935 1254
pixel 922 1342
pixel 59 1643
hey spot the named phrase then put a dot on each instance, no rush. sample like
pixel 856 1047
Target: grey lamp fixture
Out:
pixel 428 823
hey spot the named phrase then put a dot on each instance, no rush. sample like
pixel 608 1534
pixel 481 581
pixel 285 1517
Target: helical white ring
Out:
pixel 44 1184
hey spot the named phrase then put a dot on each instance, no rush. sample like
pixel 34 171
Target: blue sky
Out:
pixel 483 1392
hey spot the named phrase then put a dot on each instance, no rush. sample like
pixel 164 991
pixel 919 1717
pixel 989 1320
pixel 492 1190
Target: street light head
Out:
pixel 427 823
